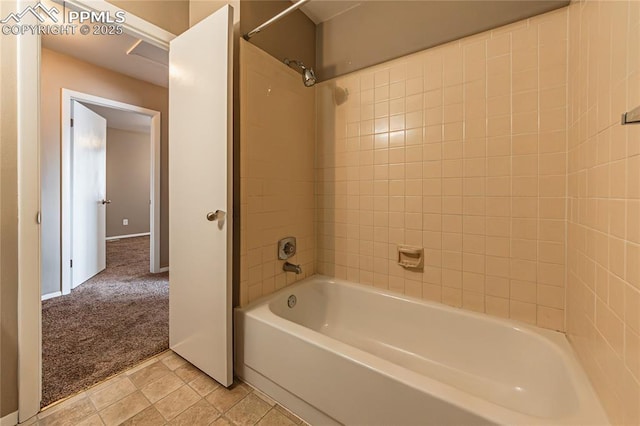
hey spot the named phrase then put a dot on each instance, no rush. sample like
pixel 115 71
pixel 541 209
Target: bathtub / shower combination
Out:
pixel 336 352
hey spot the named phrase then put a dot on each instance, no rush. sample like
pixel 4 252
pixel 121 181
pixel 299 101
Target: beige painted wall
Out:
pixel 345 44
pixel 603 297
pixel 8 223
pixel 292 37
pixel 60 71
pixel 170 15
pixel 459 149
pixel 200 9
pixel 277 147
pixel 128 183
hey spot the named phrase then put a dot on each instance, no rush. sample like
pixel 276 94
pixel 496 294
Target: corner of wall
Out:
pixel 603 240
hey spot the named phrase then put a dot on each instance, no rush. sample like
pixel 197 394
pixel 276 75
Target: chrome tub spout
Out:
pixel 290 267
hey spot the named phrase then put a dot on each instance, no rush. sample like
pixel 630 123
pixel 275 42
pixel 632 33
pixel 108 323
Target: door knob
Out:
pixel 212 216
pixel 106 201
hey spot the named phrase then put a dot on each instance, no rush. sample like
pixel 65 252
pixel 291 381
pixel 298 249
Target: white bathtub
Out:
pixel 351 354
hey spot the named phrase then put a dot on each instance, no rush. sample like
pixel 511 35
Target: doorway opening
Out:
pixel 40 188
pixel 113 311
pixel 119 117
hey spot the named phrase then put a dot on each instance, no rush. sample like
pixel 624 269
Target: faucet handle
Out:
pixel 289 249
pixel 286 248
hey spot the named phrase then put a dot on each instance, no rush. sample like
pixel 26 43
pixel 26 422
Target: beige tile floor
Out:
pixel 166 390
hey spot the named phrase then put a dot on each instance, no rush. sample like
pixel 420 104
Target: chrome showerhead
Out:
pixel 308 75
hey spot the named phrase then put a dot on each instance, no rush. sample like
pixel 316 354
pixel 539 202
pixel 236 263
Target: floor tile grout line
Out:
pixel 112 404
pixel 237 402
pixel 271 408
pixel 117 400
pixel 176 416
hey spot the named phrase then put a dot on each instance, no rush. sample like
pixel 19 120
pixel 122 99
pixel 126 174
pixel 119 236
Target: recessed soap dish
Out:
pixel 411 257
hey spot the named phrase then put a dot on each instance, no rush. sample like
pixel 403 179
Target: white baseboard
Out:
pixel 10 419
pixel 165 269
pixel 51 295
pixel 119 237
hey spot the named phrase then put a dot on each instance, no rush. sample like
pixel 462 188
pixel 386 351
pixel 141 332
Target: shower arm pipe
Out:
pixel 299 64
pixel 276 18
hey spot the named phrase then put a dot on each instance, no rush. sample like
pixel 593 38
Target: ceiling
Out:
pixel 111 52
pixel 320 11
pixel 324 10
pixel 123 120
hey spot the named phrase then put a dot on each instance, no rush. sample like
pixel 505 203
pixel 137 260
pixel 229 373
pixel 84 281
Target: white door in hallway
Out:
pixel 89 188
pixel 200 194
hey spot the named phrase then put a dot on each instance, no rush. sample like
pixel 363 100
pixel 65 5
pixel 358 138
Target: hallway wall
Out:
pixel 128 182
pixel 60 71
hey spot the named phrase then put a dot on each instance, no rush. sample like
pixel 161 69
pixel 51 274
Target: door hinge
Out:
pixel 71 263
pixel 72 122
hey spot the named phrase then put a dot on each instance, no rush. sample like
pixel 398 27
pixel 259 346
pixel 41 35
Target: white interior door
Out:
pixel 200 179
pixel 89 188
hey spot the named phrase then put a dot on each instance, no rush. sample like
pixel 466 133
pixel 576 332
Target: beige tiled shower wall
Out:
pixel 277 148
pixel 603 295
pixel 460 149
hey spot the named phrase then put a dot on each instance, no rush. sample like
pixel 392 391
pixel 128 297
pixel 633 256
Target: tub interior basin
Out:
pixel 498 361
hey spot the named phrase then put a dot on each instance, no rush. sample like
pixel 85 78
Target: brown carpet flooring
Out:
pixel 111 322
